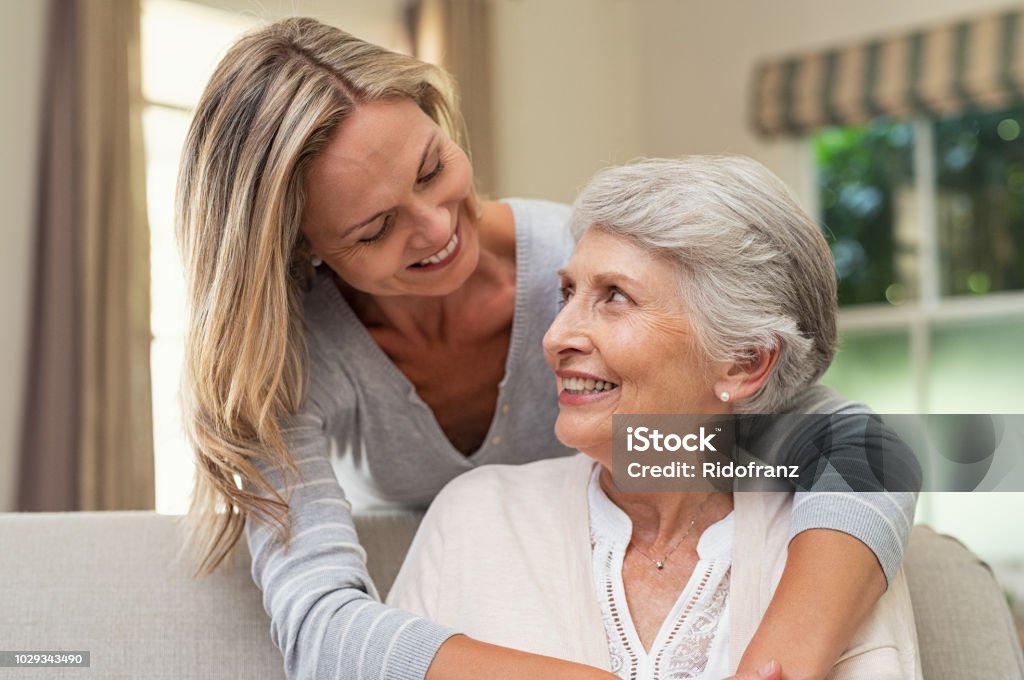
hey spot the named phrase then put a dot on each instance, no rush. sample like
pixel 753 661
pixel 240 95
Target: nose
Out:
pixel 568 334
pixel 433 225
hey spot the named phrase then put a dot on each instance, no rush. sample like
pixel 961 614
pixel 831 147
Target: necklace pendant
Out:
pixel 659 564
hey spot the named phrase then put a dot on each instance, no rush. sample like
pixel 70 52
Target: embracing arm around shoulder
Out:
pixel 829 585
pixel 844 551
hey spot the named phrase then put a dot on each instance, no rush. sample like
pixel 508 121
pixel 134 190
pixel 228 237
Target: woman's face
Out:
pixel 386 203
pixel 622 343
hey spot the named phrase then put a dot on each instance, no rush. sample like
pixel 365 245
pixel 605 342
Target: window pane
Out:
pixel 164 131
pixel 867 198
pixel 875 368
pixel 172 458
pixel 983 521
pixel 980 168
pixel 976 368
pixel 181 45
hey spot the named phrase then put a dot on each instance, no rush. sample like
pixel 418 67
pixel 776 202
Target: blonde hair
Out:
pixel 754 268
pixel 270 107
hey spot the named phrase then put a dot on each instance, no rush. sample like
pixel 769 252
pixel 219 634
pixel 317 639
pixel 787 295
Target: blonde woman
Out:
pixel 357 315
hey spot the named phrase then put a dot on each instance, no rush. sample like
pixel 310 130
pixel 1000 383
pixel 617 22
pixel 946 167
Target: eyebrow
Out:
pixel 423 159
pixel 605 278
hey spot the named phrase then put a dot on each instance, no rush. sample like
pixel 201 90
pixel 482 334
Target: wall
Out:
pixel 565 93
pixel 580 84
pixel 22 35
pixel 378 21
pixel 697 58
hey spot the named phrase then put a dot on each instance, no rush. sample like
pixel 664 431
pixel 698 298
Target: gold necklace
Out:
pixel 660 564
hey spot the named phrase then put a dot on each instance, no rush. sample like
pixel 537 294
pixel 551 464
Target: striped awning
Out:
pixel 977 63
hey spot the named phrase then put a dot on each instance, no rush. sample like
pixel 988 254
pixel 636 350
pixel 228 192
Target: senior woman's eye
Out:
pixel 616 295
pixel 564 295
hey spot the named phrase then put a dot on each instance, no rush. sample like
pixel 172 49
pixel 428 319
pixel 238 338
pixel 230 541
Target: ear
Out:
pixel 744 378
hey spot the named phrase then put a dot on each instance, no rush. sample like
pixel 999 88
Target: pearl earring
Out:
pixel 724 396
pixel 316 261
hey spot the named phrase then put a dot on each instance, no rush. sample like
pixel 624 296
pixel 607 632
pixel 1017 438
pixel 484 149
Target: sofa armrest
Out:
pixel 964 626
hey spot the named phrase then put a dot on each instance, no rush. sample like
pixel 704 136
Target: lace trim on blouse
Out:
pixel 692 641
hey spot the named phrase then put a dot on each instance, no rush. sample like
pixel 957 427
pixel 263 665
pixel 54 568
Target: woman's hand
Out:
pixel 463 658
pixel 770 671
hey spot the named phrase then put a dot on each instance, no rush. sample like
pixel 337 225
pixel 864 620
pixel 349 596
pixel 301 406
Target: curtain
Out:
pixel 456 35
pixel 976 63
pixel 87 433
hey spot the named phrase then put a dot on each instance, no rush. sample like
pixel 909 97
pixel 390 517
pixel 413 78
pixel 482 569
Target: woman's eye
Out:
pixel 564 295
pixel 616 295
pixel 384 229
pixel 426 179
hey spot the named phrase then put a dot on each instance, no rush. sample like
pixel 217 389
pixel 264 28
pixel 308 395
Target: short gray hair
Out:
pixel 755 271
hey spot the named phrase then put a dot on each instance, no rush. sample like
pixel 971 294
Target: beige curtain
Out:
pixel 934 71
pixel 87 437
pixel 456 34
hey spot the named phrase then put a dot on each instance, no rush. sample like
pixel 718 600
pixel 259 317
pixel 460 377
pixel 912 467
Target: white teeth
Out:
pixel 443 253
pixel 586 385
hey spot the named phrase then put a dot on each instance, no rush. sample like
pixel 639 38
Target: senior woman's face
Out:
pixel 622 343
pixel 386 204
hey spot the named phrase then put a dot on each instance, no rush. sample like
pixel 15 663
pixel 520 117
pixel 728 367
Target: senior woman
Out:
pixel 699 287
pixel 357 316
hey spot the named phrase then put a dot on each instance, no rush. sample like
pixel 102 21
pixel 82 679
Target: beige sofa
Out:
pixel 116 585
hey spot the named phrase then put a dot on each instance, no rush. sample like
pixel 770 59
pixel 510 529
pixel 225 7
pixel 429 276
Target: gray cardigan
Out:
pixel 363 424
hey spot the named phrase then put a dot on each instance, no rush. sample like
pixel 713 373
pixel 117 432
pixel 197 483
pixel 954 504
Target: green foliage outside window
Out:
pixel 862 172
pixel 979 162
pixel 869 208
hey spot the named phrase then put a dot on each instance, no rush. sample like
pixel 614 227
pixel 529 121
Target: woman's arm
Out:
pixel 324 613
pixel 463 658
pixel 829 585
pixel 844 546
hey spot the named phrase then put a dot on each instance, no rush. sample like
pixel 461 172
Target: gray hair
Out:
pixel 754 269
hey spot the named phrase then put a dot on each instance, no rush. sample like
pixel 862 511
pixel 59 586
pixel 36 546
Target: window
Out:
pixel 926 225
pixel 174 72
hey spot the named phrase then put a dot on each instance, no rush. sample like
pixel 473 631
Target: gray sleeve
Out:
pixel 882 520
pixel 325 615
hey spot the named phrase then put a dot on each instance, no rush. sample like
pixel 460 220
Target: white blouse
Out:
pixel 693 640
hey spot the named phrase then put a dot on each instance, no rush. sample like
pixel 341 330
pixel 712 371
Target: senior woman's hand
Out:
pixel 770 671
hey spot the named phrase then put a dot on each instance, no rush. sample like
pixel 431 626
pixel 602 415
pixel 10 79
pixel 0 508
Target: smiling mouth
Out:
pixel 441 255
pixel 581 386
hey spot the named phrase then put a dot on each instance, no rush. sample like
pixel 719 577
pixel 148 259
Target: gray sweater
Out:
pixel 363 424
